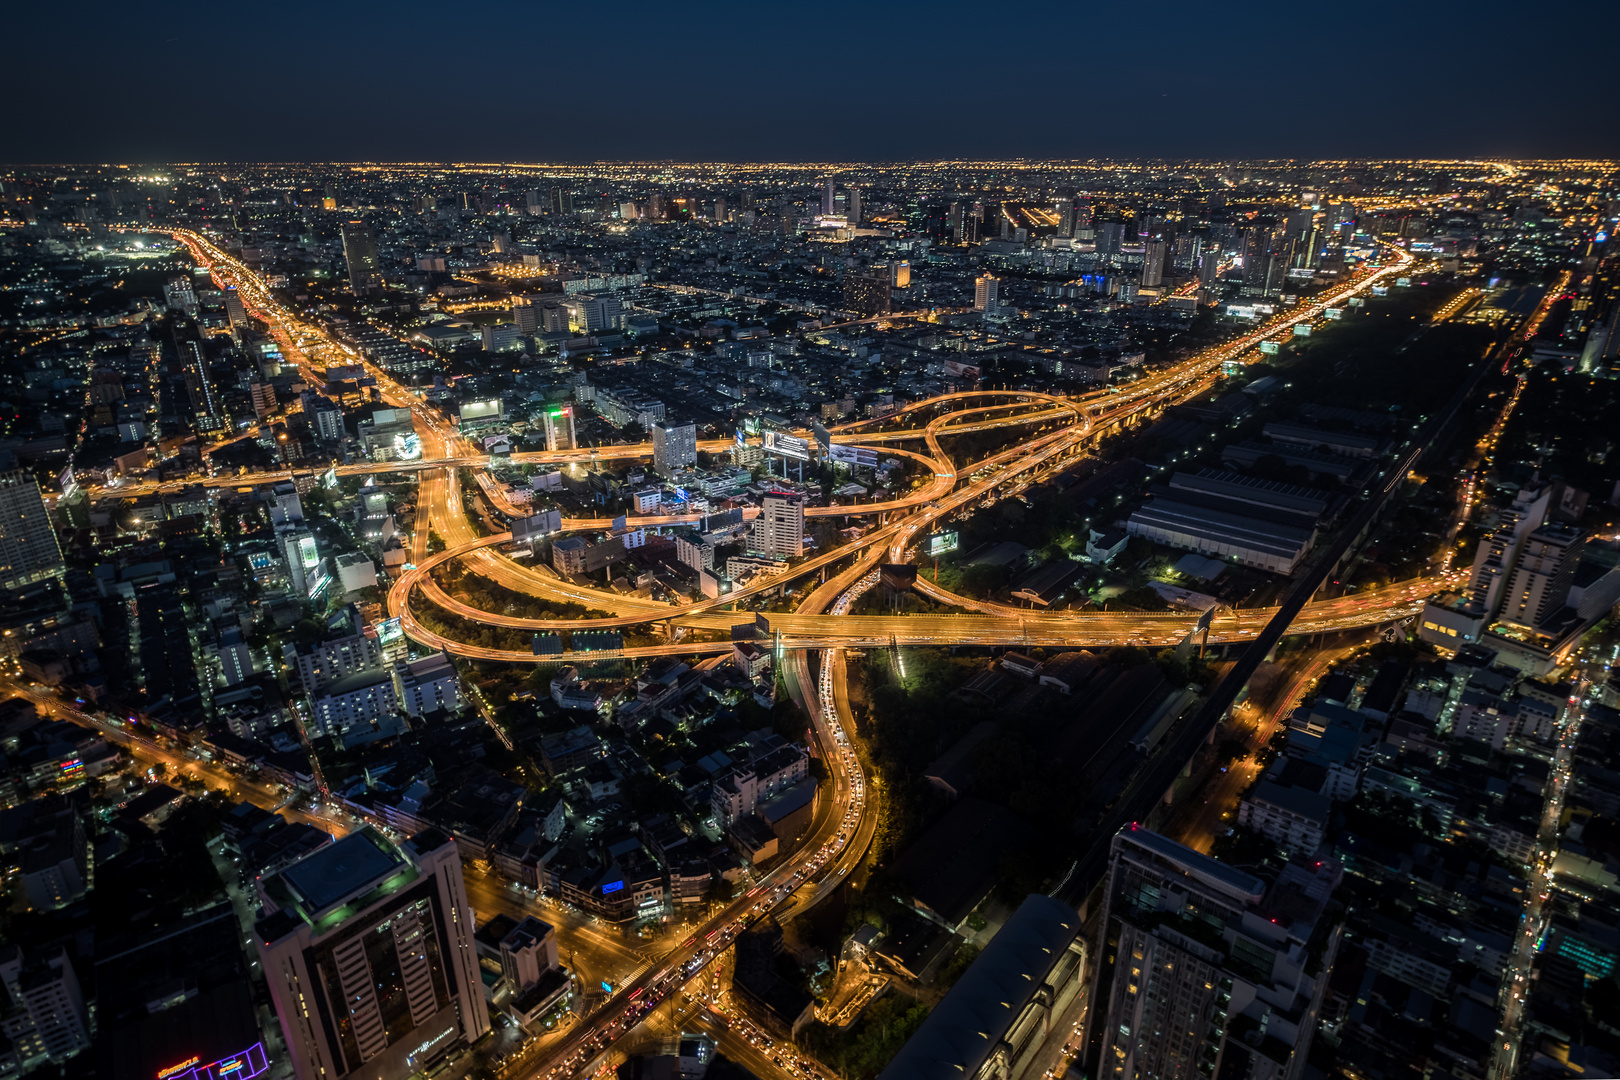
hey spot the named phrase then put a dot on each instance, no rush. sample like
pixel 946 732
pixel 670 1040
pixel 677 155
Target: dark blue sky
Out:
pixel 99 81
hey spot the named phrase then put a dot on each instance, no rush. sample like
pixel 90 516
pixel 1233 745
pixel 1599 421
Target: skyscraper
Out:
pixel 360 252
pixel 235 310
pixel 827 197
pixel 368 950
pixel 956 222
pixel 853 205
pixel 204 404
pixel 985 293
pixel 1205 969
pixel 779 529
pixel 28 550
pixel 1110 235
pixel 559 427
pixel 674 446
pixel 1153 263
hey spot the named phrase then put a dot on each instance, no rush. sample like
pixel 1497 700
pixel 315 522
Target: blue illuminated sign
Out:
pixel 612 886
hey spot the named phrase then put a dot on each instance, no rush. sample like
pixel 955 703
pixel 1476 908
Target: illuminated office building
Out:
pixel 369 953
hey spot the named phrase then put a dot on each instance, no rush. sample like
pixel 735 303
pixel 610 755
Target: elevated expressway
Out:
pixel 842 830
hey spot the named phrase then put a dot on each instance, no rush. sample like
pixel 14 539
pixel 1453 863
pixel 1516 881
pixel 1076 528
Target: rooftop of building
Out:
pixel 346 867
pixel 1227 880
pixel 965 1027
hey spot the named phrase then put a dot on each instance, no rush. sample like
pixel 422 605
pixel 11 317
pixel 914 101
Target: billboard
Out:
pixel 529 529
pixel 862 456
pixel 788 446
pixel 959 370
pixel 497 444
pixel 612 887
pixel 480 410
pixel 1269 348
pixel 1333 313
pixel 1302 329
pixel 940 543
pixel 389 631
pixel 822 438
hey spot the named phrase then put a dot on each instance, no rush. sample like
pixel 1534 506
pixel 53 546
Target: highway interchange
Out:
pixel 1062 430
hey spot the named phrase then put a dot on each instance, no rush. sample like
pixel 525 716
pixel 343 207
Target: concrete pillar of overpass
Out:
pixel 1186 770
pixel 1170 795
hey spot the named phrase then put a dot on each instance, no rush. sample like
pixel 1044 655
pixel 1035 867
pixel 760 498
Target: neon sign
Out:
pixel 240 1066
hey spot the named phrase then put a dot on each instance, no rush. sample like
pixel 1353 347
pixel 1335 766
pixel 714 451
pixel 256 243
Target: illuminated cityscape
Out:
pixel 1001 617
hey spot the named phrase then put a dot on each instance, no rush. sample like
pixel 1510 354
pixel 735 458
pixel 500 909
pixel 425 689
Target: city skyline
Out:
pixel 941 620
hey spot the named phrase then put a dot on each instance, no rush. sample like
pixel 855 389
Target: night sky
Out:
pixel 487 81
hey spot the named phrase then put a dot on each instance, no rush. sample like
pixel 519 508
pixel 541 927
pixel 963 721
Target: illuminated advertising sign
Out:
pixel 1402 282
pixel 240 1066
pixel 940 544
pixel 389 631
pixel 853 455
pixel 742 437
pixel 612 887
pixel 407 446
pixel 789 446
pixel 481 410
pixel 307 553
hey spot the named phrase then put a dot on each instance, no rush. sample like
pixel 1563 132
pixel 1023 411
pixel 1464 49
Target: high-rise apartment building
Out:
pixel 29 553
pixel 986 293
pixel 779 529
pixel 1499 552
pixel 369 953
pixel 360 252
pixel 867 291
pixel 1205 969
pixel 559 427
pixel 526 314
pixel 48 1021
pixel 674 446
pixel 180 296
pixel 1541 579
